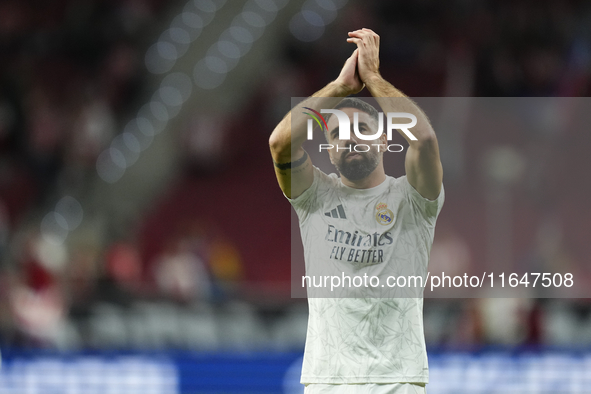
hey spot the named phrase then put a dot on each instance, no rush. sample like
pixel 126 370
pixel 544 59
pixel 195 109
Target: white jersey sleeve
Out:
pixel 307 203
pixel 428 209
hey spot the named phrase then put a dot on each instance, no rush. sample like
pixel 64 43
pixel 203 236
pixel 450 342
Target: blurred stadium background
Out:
pixel 144 243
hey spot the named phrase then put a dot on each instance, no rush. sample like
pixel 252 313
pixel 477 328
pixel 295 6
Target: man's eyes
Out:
pixel 363 129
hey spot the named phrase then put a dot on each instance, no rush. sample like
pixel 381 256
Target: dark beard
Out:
pixel 357 169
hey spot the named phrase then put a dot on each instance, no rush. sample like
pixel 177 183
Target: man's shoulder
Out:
pixel 395 184
pixel 400 183
pixel 330 175
pixel 331 179
pixel 322 186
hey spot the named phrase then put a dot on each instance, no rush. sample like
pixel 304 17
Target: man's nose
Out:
pixel 352 137
pixel 349 141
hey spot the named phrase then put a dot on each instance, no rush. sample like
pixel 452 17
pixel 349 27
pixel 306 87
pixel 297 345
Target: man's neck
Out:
pixel 372 180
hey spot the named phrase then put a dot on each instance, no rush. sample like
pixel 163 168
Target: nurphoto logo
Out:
pixel 345 128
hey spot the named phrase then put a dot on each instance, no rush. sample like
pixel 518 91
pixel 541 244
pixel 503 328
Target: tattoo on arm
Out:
pixel 290 165
pixel 300 169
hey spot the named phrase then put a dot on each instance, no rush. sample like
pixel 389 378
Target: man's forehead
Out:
pixel 363 117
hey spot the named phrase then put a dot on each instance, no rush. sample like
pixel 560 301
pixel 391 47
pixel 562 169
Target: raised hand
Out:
pixel 368 48
pixel 349 79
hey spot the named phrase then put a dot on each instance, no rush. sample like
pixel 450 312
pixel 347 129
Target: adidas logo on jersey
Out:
pixel 338 213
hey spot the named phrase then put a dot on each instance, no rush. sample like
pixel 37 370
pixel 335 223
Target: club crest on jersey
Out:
pixel 384 216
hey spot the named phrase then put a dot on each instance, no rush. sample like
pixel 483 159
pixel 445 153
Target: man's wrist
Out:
pixel 373 79
pixel 339 89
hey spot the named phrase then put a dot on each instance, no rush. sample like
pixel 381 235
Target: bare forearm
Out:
pixel 290 133
pixel 422 163
pixel 393 100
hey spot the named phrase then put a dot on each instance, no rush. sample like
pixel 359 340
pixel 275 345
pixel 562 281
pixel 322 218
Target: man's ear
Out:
pixel 384 140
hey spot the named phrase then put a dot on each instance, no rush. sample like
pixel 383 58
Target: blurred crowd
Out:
pixel 72 72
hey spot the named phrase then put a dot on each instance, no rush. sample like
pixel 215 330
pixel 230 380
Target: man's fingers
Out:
pixel 356 33
pixel 364 34
pixel 357 41
pixel 363 31
pixel 370 33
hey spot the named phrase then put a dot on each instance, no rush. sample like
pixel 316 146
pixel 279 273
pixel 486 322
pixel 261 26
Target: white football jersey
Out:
pixel 365 332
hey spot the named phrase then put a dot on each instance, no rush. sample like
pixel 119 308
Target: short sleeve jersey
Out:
pixel 385 231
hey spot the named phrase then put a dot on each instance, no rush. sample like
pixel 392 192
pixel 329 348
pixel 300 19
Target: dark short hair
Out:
pixel 354 102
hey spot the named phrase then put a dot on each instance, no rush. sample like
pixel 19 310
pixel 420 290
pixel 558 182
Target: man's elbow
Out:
pixel 274 142
pixel 278 145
